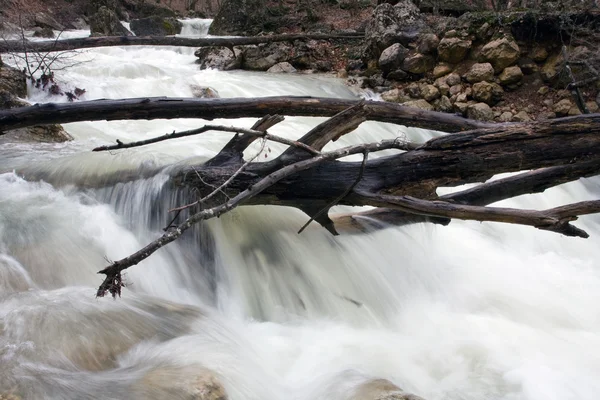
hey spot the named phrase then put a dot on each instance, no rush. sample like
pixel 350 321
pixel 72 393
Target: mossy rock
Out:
pixel 156 26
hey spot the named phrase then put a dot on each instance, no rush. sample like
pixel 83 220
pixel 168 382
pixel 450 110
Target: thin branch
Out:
pixel 555 219
pixel 206 128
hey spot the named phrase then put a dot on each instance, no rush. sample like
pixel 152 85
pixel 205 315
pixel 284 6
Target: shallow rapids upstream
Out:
pixel 465 312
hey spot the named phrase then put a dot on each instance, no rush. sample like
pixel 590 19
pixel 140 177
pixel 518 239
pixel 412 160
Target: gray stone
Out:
pixel 501 53
pixel 443 104
pixel 510 75
pixel 441 69
pixel 562 107
pixel 480 72
pixel 156 26
pixel 106 23
pixel 392 57
pixel 427 43
pixel 429 92
pixel 521 116
pixel 220 58
pixel 506 116
pixel 539 54
pixel 204 92
pixel 282 67
pixel 489 93
pixel 453 79
pixel 453 50
pixel 480 112
pixel 418 63
pixel 421 104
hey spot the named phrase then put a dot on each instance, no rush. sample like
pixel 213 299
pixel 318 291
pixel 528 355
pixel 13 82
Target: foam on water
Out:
pixel 464 312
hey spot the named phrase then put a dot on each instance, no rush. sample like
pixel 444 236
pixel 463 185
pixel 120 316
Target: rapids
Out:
pixel 465 312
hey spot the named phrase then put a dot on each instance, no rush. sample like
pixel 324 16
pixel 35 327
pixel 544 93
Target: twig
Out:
pixel 206 128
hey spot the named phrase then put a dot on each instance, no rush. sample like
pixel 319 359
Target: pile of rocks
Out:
pixel 469 70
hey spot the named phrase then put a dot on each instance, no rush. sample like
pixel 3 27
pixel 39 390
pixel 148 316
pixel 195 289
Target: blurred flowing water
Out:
pixel 465 312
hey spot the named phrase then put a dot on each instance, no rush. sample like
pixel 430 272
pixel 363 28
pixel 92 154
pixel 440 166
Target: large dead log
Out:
pixel 209 109
pixel 89 42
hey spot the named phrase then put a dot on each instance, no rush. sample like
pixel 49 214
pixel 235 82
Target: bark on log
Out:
pixel 89 42
pixel 170 107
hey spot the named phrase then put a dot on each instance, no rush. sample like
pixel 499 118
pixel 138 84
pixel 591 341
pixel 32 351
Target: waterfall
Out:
pixel 465 312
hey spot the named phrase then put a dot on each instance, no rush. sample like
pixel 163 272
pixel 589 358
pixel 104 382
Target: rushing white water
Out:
pixel 468 311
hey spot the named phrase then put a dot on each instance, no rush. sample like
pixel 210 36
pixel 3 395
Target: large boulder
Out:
pixel 501 53
pixel 156 26
pixel 453 49
pixel 12 81
pixel 179 382
pixel 480 72
pixel 239 17
pixel 553 69
pixel 381 389
pixel 420 104
pixel 264 56
pixel 221 58
pixel 400 23
pixel 418 63
pixel 392 57
pixel 106 23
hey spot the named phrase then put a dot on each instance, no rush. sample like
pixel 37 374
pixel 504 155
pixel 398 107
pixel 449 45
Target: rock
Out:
pixel 480 112
pixel 283 67
pixel 12 82
pixel 441 69
pixel 397 75
pixel 44 20
pixel 380 389
pixel 53 133
pixel 521 116
pixel 395 96
pixel 456 89
pixel 539 54
pixel 427 43
pixel 562 107
pixel 546 115
pixel 392 57
pixel 413 90
pixel 484 31
pixel 548 102
pixel 461 107
pixel 429 92
pixel 543 90
pixel 453 50
pixel 453 79
pixel 220 58
pixel 391 24
pixel 506 116
pixel 480 72
pixel 156 26
pixel 341 73
pixel 418 63
pixel 43 32
pixel 510 75
pixel 178 382
pixel 421 104
pixel 204 92
pixel 461 98
pixel 592 106
pixel 501 53
pixel 443 104
pixel 444 89
pixel 264 56
pixel 106 23
pixel 489 93
pixel 574 111
pixel 552 68
pixel 240 18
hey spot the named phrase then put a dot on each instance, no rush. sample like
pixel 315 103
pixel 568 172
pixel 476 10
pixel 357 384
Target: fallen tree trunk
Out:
pixel 313 181
pixel 13 46
pixel 209 109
